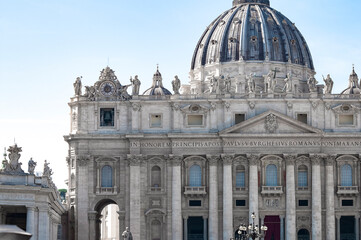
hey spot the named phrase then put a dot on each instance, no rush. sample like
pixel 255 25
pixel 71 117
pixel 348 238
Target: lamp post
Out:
pixel 252 231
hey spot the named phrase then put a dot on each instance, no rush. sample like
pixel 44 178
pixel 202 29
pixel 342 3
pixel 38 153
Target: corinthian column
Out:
pixel 253 186
pixel 176 198
pixel 213 198
pixel 290 197
pixel 134 169
pixel 316 197
pixel 330 198
pixel 227 197
pixel 30 221
pixel 82 163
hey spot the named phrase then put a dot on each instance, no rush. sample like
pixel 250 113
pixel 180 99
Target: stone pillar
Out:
pixel 134 165
pixel 357 225
pixel 330 198
pixel 253 186
pixel 316 197
pixel 213 197
pixel 121 219
pixel 44 221
pixel 136 107
pixel 82 198
pixel 282 228
pixel 185 229
pixel 55 231
pixel 92 217
pixel 205 228
pixel 290 197
pixel 227 196
pixel 176 198
pixel 338 218
pixel 30 221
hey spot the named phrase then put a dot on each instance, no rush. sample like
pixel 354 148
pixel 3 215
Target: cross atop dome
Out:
pixel 238 2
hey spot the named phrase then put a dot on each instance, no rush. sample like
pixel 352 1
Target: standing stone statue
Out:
pixel 329 84
pixel 127 235
pixel 250 83
pixel 176 84
pixel 288 84
pixel 228 84
pixel 312 82
pixel 77 86
pixel 47 170
pixel 135 85
pixel 31 166
pixel 269 82
pixel 213 84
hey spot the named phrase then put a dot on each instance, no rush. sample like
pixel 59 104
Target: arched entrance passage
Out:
pixel 106 221
pixel 303 234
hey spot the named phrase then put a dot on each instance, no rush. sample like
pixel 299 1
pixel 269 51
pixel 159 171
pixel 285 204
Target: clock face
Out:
pixel 107 88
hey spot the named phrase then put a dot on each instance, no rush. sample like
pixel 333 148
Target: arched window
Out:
pixel 302 176
pixel 271 175
pixel 156 177
pixel 156 230
pixel 195 176
pixel 240 176
pixel 346 175
pixel 303 234
pixel 107 176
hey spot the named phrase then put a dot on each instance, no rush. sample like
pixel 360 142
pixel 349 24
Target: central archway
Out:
pixel 107 221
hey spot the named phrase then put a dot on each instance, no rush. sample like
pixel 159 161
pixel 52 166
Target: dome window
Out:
pixel 293 42
pixel 201 46
pixel 254 39
pixel 214 42
pixel 232 40
pixel 222 23
pixel 275 40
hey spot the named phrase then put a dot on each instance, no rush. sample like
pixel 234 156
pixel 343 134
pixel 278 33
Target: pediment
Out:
pixel 271 122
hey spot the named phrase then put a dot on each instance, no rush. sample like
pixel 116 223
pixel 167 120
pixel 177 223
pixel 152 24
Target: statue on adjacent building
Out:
pixel 227 84
pixel 13 166
pixel 213 84
pixel 288 83
pixel 329 84
pixel 312 83
pixel 250 83
pixel 176 84
pixel 47 170
pixel 269 82
pixel 77 86
pixel 135 85
pixel 31 166
pixel 123 92
pixel 90 93
pixel 127 235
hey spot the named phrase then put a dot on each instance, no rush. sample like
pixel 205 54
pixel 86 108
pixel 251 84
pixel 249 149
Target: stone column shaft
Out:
pixel 82 198
pixel 44 222
pixel 316 198
pixel 213 198
pixel 185 233
pixel 282 228
pixel 330 199
pixel 227 197
pixel 30 221
pixel 290 197
pixel 253 187
pixel 134 169
pixel 176 199
pixel 205 229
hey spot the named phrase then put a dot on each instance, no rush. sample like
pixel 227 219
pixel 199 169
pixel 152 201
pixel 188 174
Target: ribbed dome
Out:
pixel 157 86
pixel 251 31
pixel 353 85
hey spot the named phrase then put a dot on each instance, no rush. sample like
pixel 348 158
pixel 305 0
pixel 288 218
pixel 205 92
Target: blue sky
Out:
pixel 46 44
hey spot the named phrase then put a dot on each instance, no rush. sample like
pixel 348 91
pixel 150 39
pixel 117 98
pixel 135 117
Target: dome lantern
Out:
pixel 237 2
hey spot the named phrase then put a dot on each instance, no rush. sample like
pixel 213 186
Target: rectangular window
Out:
pixel 347 203
pixel 240 179
pixel 156 120
pixel 195 120
pixel 195 203
pixel 107 117
pixel 346 120
pixel 303 203
pixel 302 117
pixel 302 179
pixel 239 117
pixel 240 203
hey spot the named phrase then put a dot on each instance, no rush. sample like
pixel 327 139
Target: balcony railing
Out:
pixel 272 190
pixel 156 189
pixel 106 191
pixel 188 190
pixel 240 189
pixel 302 188
pixel 347 190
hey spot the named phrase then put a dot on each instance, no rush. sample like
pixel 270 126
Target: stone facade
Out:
pixel 195 165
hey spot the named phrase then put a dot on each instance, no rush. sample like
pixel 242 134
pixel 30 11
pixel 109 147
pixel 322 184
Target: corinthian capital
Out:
pixel 134 160
pixel 227 159
pixel 330 160
pixel 82 160
pixel 213 159
pixel 316 159
pixel 253 159
pixel 175 160
pixel 290 159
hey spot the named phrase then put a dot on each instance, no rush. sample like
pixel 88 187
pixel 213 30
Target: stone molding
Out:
pixel 227 159
pixel 135 160
pixel 136 107
pixel 271 124
pixel 93 215
pixel 82 160
pixel 253 159
pixel 330 160
pixel 176 160
pixel 316 159
pixel 290 159
pixel 213 159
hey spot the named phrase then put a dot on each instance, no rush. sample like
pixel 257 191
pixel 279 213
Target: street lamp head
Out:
pixel 253 215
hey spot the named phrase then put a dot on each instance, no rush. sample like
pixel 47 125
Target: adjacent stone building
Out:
pixel 253 131
pixel 31 202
